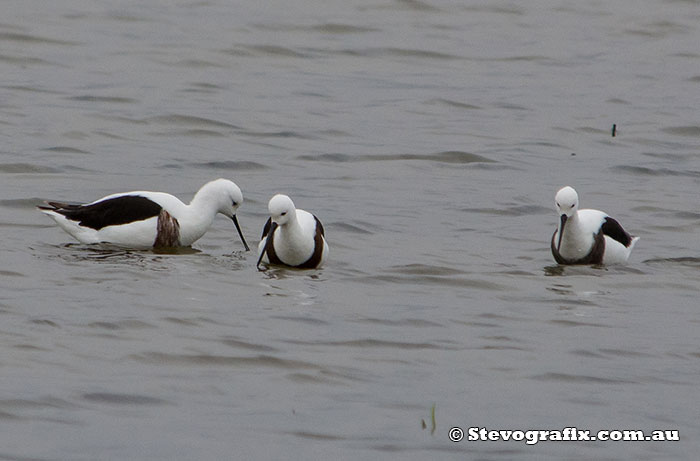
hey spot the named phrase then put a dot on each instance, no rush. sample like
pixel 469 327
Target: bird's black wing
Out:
pixel 111 212
pixel 319 226
pixel 614 230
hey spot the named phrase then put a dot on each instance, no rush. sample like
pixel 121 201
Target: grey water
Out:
pixel 430 138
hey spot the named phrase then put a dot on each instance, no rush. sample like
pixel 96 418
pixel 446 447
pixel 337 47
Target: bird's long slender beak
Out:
pixel 238 228
pixel 561 229
pixel 270 233
pixel 262 253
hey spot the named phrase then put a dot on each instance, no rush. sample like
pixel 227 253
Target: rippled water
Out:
pixel 430 138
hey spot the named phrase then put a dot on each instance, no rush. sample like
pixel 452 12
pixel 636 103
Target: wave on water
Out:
pixel 123 399
pixel 688 261
pixel 236 165
pixel 457 157
pixel 26 168
pixel 647 171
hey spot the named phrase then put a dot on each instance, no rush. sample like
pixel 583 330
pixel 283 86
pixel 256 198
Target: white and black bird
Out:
pixel 292 237
pixel 143 219
pixel 588 236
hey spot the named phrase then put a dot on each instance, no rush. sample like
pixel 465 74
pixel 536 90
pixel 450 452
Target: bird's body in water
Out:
pixel 588 236
pixel 292 237
pixel 145 219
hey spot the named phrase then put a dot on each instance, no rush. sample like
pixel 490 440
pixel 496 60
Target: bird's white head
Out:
pixel 566 201
pixel 226 196
pixel 282 210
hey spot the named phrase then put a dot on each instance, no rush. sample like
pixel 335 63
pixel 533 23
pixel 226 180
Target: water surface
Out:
pixel 430 138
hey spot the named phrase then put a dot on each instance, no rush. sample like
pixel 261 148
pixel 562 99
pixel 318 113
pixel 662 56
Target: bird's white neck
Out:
pixel 575 242
pixel 200 214
pixel 291 229
pixel 292 244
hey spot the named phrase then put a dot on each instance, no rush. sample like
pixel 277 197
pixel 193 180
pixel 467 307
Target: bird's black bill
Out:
pixel 268 243
pixel 561 230
pixel 238 228
pixel 262 253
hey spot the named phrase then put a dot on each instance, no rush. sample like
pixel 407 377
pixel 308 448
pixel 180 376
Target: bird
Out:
pixel 588 236
pixel 144 219
pixel 291 237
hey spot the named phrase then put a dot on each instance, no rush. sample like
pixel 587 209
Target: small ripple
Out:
pixel 587 354
pixel 407 53
pixel 65 150
pixel 591 130
pixel 306 320
pixel 30 89
pixel 457 157
pixel 646 171
pixel 7 416
pixel 492 347
pixel 130 324
pixel 45 322
pixel 276 134
pixel 576 323
pixel 195 63
pixel 522 210
pixel 316 436
pixel 345 227
pixel 693 130
pixel 102 99
pixel 331 28
pixel 426 274
pixel 190 133
pixel 123 399
pixel 239 344
pixel 204 87
pixel 659 29
pixel 451 103
pixel 376 343
pixel 22 60
pixel 671 156
pixel 337 158
pixel 48 402
pixel 229 165
pixel 30 39
pixel 573 378
pixel 688 261
pixel 191 322
pixel 161 358
pixel 558 270
pixel 26 168
pixel 340 29
pixel 265 51
pixel 189 120
pixel 307 378
pixel 420 323
pixel 424 269
pixel 237 165
pixel 625 353
pixel 457 282
pixel 144 261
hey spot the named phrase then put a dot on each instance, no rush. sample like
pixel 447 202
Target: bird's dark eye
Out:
pixel 558 205
pixel 235 203
pixel 284 213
